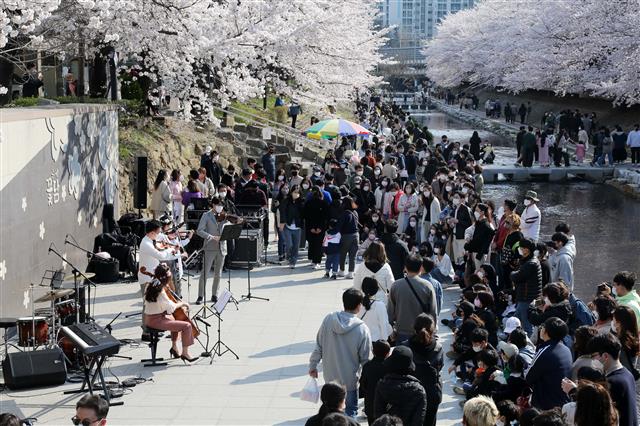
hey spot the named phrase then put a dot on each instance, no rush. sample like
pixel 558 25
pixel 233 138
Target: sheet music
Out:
pixel 223 299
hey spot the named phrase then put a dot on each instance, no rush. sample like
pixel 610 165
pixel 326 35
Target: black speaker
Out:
pixel 106 270
pixel 140 183
pixel 248 246
pixel 24 370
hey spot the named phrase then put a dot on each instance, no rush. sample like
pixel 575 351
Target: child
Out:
pixel 372 372
pixel 365 245
pixel 484 384
pixel 331 246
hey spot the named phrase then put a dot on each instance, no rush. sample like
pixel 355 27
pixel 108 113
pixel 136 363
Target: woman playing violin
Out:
pixel 158 313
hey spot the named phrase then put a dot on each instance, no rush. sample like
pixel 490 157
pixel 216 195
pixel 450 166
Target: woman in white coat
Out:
pixel 375 266
pixel 374 312
pixel 408 205
pixel 430 213
pixel 161 196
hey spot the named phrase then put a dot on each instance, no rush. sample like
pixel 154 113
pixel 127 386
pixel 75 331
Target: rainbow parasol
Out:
pixel 333 128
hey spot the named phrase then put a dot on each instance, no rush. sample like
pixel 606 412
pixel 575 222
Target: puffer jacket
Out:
pixel 402 396
pixel 561 310
pixel 528 280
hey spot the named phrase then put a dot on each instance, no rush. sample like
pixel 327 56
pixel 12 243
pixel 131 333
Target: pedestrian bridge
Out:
pixel 496 173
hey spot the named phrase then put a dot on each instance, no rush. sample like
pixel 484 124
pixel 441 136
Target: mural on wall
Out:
pixel 58 171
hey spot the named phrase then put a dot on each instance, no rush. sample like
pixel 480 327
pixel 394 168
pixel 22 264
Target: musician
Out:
pixel 210 229
pixel 149 257
pixel 91 410
pixel 159 309
pixel 172 238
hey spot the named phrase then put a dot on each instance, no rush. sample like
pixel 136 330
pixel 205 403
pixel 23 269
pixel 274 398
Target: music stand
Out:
pixel 250 296
pixel 231 232
pixel 219 306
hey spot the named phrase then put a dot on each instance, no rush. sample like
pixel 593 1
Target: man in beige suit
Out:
pixel 210 229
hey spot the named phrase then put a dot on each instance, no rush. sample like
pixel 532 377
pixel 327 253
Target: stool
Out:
pixel 153 344
pixel 6 324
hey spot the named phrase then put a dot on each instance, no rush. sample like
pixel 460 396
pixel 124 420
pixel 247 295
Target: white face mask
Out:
pixel 442 178
pixel 597 364
pixel 527 202
pixel 448 188
pixel 374 218
pixel 281 177
pixel 317 174
pixel 222 194
pixel 366 188
pixel 436 250
pixel 181 178
pixel 372 237
pixel 359 173
pixel 480 274
pixel 218 209
pixel 427 193
pixel 520 252
pixel 412 223
pixel 477 304
pixel 477 348
pixel 465 190
pixel 305 186
pixel 384 183
pixel 433 232
pixel 456 201
pixel 536 253
pixel 216 158
pixel 477 215
pixel 614 291
pixel 547 301
pixel 376 172
pixel 499 422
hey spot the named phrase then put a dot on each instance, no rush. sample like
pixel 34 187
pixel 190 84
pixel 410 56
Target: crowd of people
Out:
pixel 526 350
pixel 402 216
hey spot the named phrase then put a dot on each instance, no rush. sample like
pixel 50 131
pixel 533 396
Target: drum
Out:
pixel 66 311
pixel 25 331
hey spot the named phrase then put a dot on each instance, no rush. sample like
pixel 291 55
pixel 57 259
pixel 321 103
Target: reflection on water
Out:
pixel 604 221
pixel 441 124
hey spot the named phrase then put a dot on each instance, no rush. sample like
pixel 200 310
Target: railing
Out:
pixel 279 130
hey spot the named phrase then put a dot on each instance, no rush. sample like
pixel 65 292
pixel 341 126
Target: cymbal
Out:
pixel 70 277
pixel 53 295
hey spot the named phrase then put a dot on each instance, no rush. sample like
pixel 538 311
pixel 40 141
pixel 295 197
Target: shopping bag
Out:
pixel 310 391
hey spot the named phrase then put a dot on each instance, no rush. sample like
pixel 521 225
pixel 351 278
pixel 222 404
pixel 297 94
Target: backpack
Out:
pixel 394 204
pixel 580 314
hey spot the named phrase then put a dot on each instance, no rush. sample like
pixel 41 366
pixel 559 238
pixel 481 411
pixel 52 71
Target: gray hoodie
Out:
pixel 562 265
pixel 343 344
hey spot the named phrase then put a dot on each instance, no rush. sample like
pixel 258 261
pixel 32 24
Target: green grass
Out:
pixel 22 102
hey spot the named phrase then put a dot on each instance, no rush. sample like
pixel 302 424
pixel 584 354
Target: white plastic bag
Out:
pixel 310 391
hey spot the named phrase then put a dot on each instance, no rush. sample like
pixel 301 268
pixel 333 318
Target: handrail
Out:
pixel 281 130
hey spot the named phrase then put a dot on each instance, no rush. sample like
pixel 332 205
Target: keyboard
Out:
pixel 92 339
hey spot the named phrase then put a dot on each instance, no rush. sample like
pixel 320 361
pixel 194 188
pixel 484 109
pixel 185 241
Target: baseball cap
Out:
pixel 511 324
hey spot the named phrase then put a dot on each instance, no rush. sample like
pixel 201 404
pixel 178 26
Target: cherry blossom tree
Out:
pixel 588 47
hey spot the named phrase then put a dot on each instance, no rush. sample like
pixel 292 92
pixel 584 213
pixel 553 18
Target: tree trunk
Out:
pixel 6 80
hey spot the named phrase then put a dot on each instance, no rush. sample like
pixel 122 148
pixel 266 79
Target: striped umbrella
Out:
pixel 333 128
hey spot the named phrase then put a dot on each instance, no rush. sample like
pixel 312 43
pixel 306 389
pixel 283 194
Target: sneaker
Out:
pixel 316 266
pixel 214 299
pixel 334 277
pixel 458 390
pixel 292 266
pixel 445 321
pixel 326 274
pixel 350 276
pixel 341 273
pixel 199 301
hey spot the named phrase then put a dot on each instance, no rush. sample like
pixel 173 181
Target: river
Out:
pixel 606 223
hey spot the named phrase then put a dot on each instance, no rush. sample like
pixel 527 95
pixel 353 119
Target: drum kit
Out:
pixel 42 327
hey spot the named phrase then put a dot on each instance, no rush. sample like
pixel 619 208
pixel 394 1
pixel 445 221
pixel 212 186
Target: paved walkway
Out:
pixel 273 339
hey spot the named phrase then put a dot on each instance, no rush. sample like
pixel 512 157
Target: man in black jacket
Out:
pixel 399 393
pixel 461 221
pixel 482 236
pixel 527 281
pixel 396 249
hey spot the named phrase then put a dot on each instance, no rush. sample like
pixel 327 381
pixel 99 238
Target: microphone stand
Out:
pixel 76 272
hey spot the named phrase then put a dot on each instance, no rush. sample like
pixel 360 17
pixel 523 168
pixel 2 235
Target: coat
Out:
pixel 382 273
pixel 561 310
pixel 372 373
pixel 397 251
pixel 551 364
pixel 161 198
pixel 209 226
pixel 481 240
pixel 528 280
pixel 291 212
pixel 402 396
pixel 403 306
pixel 463 214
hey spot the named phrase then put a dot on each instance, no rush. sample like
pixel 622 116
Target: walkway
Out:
pixel 273 339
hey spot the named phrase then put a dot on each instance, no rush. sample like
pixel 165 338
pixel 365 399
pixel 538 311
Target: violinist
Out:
pixel 178 239
pixel 210 229
pixel 149 257
pixel 159 310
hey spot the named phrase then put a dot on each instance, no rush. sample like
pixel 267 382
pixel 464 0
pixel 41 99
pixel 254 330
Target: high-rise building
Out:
pixel 416 20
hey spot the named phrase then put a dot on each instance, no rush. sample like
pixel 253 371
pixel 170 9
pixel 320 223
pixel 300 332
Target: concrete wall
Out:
pixel 58 167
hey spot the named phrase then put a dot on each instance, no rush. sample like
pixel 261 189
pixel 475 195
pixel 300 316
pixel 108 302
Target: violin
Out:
pixel 222 216
pixel 179 314
pixel 162 246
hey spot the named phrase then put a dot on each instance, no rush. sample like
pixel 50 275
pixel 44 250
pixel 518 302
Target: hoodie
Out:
pixel 632 300
pixel 562 265
pixel 343 344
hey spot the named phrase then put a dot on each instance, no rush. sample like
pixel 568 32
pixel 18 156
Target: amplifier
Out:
pixel 24 370
pixel 250 246
pixel 192 218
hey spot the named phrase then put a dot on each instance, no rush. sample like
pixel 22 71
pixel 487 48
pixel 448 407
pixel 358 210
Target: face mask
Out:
pixel 499 422
pixel 384 183
pixel 366 188
pixel 372 237
pixel 465 190
pixel 281 177
pixel 454 152
pixel 456 201
pixel 521 252
pixel 426 193
pixel 374 218
pixel 295 195
pixel 442 178
pixel 477 304
pixel 222 194
pixel 433 232
pixel 477 348
pixel 181 178
pixel 317 174
pixel 218 209
pixel 480 274
pixel 536 253
pixel 436 250
pixel 357 181
pixel 344 166
pixel 547 301
pixel 376 172
pixel 412 224
pixel 359 173
pixel 285 191
pixel 614 325
pixel 477 215
pixel 595 314
pixel 597 364
pixel 448 188
pixel 305 186
pixel 527 202
pixel 216 158
pixel 614 291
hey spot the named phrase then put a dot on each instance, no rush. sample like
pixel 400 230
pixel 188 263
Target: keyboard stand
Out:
pixel 90 378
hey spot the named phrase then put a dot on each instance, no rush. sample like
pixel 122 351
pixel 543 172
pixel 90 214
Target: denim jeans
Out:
pixel 292 242
pixel 609 155
pixel 281 243
pixel 522 312
pixel 439 276
pixel 332 263
pixel 351 408
pixel 348 246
